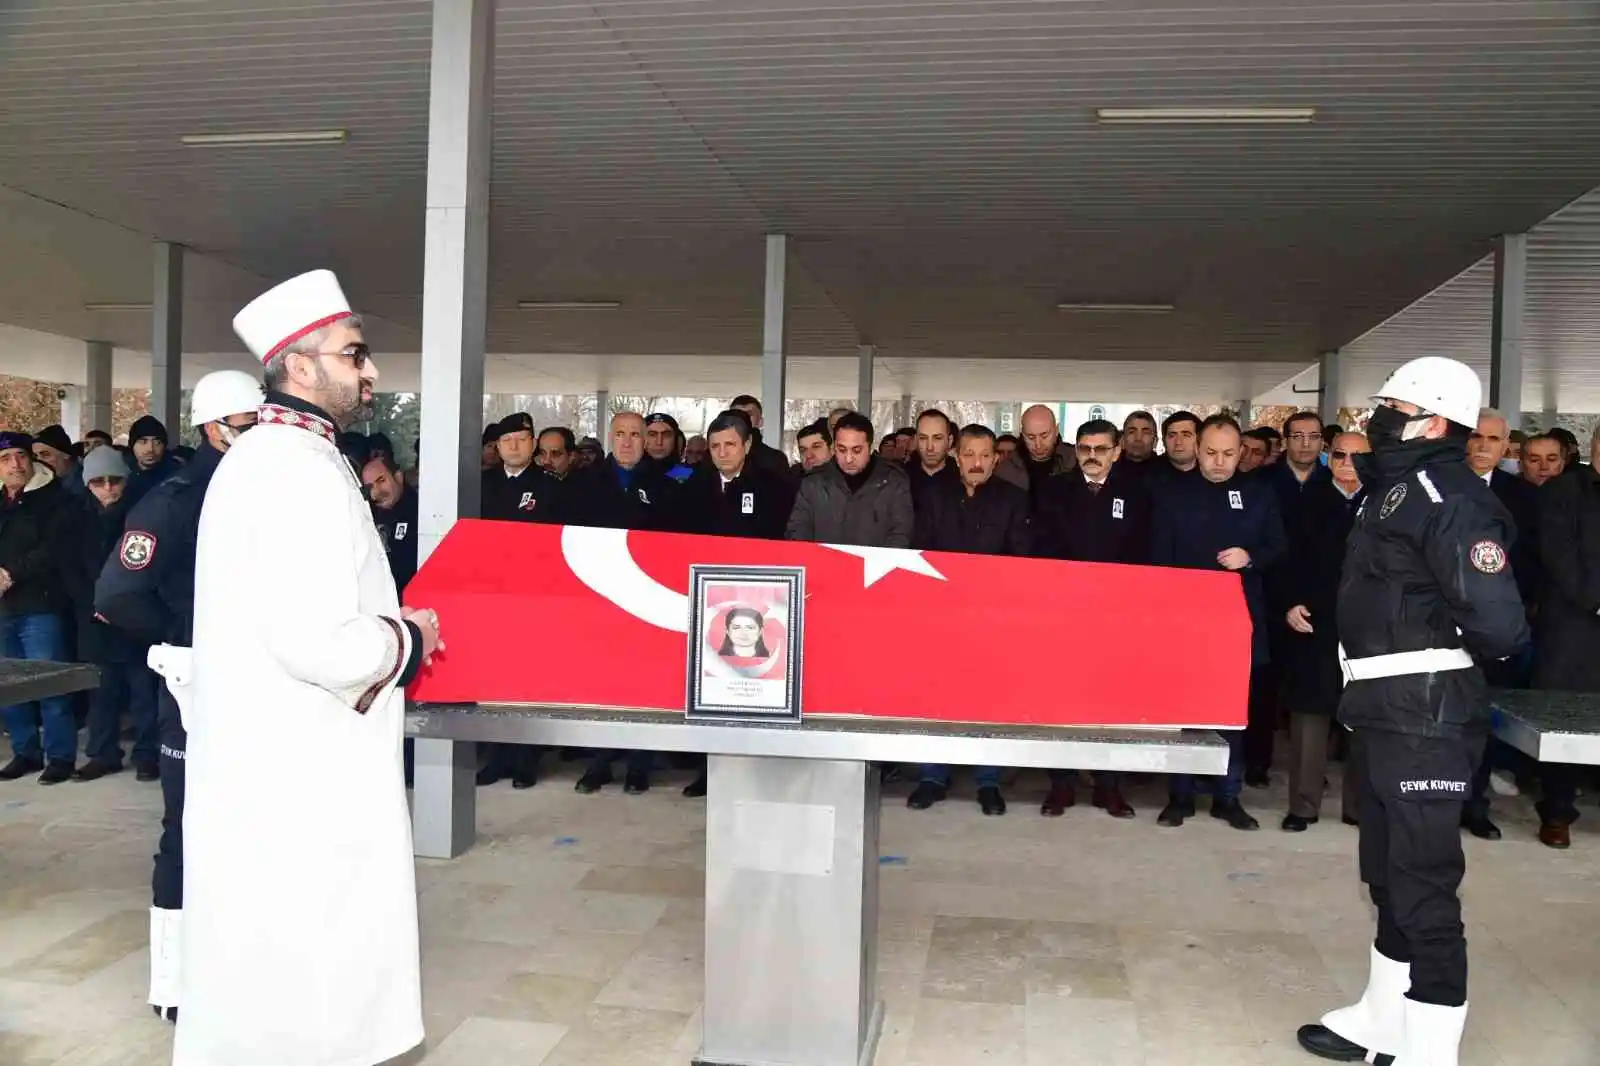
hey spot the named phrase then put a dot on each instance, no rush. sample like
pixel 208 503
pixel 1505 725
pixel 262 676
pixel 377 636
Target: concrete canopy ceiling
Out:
pixel 937 164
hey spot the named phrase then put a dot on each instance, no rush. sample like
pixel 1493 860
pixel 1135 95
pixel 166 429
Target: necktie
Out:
pixel 1094 487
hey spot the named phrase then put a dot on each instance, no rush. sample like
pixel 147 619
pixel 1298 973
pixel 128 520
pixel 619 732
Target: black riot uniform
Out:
pixel 1427 570
pixel 147 590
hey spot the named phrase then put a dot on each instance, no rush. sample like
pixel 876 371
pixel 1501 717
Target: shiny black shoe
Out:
pixel 697 788
pixel 147 772
pixel 1480 826
pixel 925 795
pixel 56 771
pixel 1294 823
pixel 990 801
pixel 1327 1044
pixel 524 780
pixel 489 775
pixel 19 768
pixel 95 769
pixel 636 783
pixel 1347 820
pixel 594 781
pixel 1235 815
pixel 1175 812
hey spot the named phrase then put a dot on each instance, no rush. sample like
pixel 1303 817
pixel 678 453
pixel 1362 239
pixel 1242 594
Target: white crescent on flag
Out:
pixel 601 559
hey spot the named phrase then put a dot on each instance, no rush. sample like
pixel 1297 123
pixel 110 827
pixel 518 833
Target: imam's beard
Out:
pixel 342 401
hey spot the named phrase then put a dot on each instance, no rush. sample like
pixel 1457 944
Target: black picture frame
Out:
pixel 723 686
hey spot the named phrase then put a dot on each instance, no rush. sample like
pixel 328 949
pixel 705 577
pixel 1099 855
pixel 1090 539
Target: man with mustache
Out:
pixel 974 512
pixel 1099 513
pixel 300 904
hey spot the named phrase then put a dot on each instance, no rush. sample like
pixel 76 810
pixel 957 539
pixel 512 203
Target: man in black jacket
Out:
pixel 146 590
pixel 394 514
pixel 733 497
pixel 36 519
pixel 1219 519
pixel 1099 513
pixel 515 490
pixel 763 455
pixel 981 514
pixel 1427 591
pixel 931 465
pixel 1310 647
pixel 1568 624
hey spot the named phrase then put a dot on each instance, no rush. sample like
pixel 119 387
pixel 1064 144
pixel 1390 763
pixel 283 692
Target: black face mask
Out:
pixel 1387 427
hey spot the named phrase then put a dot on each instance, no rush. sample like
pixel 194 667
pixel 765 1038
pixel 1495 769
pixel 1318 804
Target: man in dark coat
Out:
pixel 762 454
pixel 1310 647
pixel 1567 633
pixel 1220 520
pixel 1099 513
pixel 858 498
pixel 984 515
pixel 732 497
pixel 931 465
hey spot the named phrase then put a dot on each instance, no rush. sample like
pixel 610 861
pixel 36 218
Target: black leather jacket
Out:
pixel 1427 566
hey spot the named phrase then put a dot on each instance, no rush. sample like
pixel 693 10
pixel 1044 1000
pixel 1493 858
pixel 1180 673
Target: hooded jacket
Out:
pixel 35 545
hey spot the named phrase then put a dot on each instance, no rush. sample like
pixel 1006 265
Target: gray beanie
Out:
pixel 104 461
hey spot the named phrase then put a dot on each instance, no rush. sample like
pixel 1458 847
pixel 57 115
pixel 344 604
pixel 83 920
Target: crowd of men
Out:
pixel 1273 506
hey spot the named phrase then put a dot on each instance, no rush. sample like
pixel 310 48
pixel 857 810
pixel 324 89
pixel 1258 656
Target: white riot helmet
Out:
pixel 1439 386
pixel 222 393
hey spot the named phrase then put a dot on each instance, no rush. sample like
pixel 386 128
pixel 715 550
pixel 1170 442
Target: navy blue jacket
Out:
pixel 141 482
pixel 146 588
pixel 1195 520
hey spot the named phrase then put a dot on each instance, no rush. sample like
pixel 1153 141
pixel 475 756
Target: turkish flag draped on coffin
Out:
pixel 572 616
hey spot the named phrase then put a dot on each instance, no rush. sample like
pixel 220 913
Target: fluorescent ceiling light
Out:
pixel 568 305
pixel 1262 116
pixel 116 307
pixel 234 140
pixel 1116 309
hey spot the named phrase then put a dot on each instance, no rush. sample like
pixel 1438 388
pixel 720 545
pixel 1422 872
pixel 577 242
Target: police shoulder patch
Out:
pixel 1396 497
pixel 138 548
pixel 1488 557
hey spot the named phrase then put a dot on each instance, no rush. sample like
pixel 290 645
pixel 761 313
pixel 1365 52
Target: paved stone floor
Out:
pixel 571 936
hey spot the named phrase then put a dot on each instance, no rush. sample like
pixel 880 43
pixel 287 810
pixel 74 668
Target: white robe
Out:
pixel 300 946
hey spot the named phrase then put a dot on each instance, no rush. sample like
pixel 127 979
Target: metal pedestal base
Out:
pixel 444 797
pixel 791 912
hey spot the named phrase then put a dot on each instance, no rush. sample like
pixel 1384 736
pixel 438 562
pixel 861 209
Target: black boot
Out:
pixel 20 767
pixel 636 783
pixel 1478 824
pixel 594 779
pixel 57 771
pixel 1327 1044
pixel 1174 813
pixel 925 795
pixel 990 801
pixel 696 788
pixel 1235 815
pixel 95 769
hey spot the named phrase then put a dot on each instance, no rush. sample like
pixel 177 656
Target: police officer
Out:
pixel 1426 587
pixel 147 590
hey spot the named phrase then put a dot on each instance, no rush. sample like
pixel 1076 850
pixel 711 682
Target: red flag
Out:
pixel 567 615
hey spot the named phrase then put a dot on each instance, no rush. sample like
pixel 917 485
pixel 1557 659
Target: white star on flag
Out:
pixel 878 562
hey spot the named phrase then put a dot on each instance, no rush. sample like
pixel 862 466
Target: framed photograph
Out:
pixel 745 643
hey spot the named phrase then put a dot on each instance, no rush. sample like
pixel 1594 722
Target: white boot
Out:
pixel 1433 1035
pixel 1377 1020
pixel 166 938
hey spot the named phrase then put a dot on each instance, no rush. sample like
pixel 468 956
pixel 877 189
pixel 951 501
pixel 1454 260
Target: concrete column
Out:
pixel 602 400
pixel 166 337
pixel 774 357
pixel 96 410
pixel 1329 384
pixel 866 355
pixel 1510 302
pixel 904 412
pixel 455 274
pixel 1549 418
pixel 1243 407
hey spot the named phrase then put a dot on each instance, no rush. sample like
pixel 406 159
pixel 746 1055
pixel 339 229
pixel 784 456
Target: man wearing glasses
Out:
pixel 1099 513
pixel 299 902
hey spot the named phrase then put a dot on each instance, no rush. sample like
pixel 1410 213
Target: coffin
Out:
pixel 573 616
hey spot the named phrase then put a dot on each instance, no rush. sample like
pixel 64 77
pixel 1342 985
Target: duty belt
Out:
pixel 1401 663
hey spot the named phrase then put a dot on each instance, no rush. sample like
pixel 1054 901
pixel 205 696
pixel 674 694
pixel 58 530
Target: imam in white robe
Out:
pixel 300 945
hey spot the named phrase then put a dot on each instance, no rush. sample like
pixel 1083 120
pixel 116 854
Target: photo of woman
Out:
pixel 743 634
